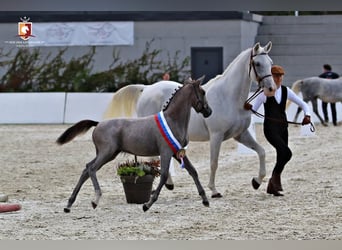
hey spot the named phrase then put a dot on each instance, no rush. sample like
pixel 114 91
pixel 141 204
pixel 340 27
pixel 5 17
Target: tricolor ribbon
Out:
pixel 168 136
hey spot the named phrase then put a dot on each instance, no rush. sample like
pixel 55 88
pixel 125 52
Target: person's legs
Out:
pixel 325 111
pixel 278 138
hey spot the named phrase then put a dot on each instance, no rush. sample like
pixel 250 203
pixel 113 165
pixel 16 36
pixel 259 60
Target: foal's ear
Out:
pixel 200 80
pixel 187 81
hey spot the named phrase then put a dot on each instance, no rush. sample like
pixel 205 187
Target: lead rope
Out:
pixel 258 92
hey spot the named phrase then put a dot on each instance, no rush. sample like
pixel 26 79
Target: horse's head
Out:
pixel 198 99
pixel 260 68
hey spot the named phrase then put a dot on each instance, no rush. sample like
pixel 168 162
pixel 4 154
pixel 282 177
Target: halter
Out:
pixel 199 101
pixel 252 65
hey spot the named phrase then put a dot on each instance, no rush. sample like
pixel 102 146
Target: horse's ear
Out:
pixel 200 80
pixel 256 47
pixel 268 47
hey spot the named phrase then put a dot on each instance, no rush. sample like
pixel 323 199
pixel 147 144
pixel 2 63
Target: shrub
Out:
pixel 27 71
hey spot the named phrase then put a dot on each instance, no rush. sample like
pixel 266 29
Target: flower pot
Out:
pixel 137 189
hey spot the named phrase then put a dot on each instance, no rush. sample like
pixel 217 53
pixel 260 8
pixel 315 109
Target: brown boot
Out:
pixel 271 188
pixel 277 182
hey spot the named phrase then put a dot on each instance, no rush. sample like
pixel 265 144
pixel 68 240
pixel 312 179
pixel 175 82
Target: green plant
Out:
pixel 133 168
pixel 29 71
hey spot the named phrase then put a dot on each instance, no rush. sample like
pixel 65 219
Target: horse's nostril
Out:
pixel 270 89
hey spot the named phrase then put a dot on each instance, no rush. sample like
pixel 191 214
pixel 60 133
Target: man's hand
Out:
pixel 247 106
pixel 306 120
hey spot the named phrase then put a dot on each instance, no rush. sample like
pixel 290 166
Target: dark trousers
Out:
pixel 277 136
pixel 333 112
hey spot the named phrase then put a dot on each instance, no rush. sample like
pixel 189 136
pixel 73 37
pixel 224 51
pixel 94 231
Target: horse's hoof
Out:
pixel 170 186
pixel 206 203
pixel 66 210
pixel 255 184
pixel 93 204
pixel 145 208
pixel 217 195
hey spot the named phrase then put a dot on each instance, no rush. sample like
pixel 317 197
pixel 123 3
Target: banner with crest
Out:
pixel 80 33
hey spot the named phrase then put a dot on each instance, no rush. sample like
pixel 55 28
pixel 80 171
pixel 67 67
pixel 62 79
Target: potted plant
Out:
pixel 137 179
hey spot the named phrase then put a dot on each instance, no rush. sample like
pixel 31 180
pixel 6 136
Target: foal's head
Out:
pixel 198 99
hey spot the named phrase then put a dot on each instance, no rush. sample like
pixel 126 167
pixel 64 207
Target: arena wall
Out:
pixel 56 108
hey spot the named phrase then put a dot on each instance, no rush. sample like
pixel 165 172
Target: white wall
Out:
pixel 22 108
pixel 40 108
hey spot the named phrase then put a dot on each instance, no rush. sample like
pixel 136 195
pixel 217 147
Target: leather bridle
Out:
pixel 252 65
pixel 260 90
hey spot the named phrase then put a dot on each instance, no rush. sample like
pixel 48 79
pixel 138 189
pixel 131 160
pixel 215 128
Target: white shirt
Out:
pixel 277 95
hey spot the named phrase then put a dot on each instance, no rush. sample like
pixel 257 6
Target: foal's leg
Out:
pixel 84 176
pixel 164 169
pixel 247 139
pixel 192 171
pixel 101 159
pixel 169 182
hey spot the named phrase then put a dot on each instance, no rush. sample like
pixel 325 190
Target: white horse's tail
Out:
pixel 124 102
pixel 296 87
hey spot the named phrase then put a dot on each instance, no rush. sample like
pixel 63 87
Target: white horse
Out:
pixel 328 90
pixel 226 94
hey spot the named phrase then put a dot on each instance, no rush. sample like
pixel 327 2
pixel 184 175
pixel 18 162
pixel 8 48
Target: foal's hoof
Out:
pixel 170 186
pixel 93 204
pixel 206 203
pixel 255 184
pixel 66 210
pixel 217 195
pixel 145 208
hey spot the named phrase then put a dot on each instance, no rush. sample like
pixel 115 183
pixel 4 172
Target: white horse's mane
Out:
pixel 234 62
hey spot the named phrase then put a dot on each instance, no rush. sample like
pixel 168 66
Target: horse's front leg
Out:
pixel 192 171
pixel 164 173
pixel 215 145
pixel 247 139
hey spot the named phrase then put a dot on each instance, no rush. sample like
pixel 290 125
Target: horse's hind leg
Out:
pixel 192 171
pixel 315 109
pixel 247 139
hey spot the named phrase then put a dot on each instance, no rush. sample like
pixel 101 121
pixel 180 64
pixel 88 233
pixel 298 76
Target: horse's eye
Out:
pixel 257 64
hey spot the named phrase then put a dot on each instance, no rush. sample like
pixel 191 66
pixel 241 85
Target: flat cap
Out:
pixel 276 69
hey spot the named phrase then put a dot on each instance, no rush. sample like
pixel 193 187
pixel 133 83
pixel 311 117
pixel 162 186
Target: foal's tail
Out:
pixel 79 128
pixel 124 102
pixel 296 87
